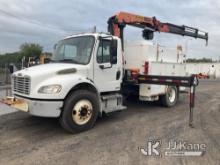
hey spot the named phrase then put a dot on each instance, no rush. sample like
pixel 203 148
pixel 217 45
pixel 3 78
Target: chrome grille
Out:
pixel 21 84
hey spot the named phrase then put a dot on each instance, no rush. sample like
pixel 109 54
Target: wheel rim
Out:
pixel 82 112
pixel 171 94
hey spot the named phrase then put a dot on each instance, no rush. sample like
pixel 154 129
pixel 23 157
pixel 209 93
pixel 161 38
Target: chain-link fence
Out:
pixel 5 91
pixel 5 81
pixel 5 75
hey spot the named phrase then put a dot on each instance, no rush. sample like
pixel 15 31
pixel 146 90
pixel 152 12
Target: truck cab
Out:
pixel 82 81
pixel 100 54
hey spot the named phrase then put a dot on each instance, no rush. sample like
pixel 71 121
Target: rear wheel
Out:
pixel 80 111
pixel 170 98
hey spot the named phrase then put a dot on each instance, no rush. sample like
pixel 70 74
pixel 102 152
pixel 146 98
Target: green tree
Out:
pixel 26 49
pixel 30 50
pixel 8 58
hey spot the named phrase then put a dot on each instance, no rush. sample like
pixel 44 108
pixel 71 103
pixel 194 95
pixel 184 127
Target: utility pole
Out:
pixel 94 29
pixel 186 46
pixel 159 51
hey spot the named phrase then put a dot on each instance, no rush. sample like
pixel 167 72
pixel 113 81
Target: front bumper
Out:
pixel 42 108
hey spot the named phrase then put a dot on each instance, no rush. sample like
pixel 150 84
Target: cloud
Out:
pixel 46 21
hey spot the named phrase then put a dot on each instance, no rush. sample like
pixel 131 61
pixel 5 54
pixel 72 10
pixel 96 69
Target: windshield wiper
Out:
pixel 69 61
pixel 53 61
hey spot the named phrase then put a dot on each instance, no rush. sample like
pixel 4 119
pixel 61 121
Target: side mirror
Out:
pixel 114 48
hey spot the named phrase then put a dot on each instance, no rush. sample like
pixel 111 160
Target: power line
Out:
pixel 42 25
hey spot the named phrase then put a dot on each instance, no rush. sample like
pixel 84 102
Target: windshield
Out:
pixel 74 50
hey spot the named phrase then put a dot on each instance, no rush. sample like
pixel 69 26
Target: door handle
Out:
pixel 118 75
pixel 102 66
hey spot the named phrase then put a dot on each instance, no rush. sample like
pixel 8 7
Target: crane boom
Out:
pixel 150 25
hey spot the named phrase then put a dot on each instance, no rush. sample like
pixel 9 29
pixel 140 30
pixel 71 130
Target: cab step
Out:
pixel 112 102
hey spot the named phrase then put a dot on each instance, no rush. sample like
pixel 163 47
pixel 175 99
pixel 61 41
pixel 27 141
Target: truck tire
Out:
pixel 170 98
pixel 80 111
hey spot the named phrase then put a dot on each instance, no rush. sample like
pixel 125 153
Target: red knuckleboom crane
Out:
pixel 117 23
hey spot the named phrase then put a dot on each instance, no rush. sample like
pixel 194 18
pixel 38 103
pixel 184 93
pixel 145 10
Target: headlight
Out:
pixel 50 89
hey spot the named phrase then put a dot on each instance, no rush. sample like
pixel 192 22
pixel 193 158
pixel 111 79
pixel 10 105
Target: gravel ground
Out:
pixel 116 139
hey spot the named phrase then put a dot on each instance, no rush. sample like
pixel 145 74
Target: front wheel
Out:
pixel 80 111
pixel 170 98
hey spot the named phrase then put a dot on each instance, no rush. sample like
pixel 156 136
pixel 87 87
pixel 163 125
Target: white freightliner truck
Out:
pixel 90 73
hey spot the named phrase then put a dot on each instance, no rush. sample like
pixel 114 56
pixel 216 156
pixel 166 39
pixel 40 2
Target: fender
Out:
pixel 86 83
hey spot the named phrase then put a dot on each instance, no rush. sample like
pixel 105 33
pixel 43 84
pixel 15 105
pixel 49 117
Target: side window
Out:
pixel 103 54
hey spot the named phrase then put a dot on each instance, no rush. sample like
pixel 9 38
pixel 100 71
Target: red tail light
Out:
pixel 146 67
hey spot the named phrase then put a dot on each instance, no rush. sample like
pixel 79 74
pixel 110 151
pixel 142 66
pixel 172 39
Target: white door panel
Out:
pixel 106 78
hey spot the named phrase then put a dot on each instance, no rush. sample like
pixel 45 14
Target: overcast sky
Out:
pixel 47 21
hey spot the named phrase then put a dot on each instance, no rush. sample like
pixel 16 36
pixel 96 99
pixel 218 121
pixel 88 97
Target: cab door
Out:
pixel 107 74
